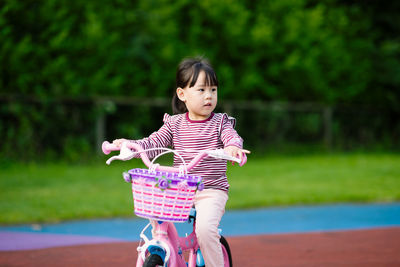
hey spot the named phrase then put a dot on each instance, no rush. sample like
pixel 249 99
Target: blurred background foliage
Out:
pixel 58 58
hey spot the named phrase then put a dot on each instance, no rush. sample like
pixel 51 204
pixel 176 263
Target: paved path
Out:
pixel 235 223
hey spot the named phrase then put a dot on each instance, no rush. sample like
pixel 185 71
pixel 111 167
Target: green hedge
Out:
pixel 328 52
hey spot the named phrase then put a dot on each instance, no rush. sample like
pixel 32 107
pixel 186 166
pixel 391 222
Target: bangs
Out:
pixel 210 79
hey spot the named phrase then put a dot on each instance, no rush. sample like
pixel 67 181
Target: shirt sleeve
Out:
pixel 229 136
pixel 158 139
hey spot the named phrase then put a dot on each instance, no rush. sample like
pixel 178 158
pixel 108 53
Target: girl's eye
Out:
pixel 214 89
pixel 201 90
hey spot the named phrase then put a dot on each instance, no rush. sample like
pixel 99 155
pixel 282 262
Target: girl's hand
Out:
pixel 118 142
pixel 236 152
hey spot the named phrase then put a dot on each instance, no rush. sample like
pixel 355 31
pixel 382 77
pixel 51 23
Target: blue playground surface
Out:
pixel 299 219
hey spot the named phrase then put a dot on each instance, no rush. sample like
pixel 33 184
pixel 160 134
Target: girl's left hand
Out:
pixel 236 152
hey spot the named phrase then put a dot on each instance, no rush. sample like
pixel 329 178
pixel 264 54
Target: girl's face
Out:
pixel 200 100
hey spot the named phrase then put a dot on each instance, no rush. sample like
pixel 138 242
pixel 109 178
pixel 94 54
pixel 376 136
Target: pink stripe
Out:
pixel 181 133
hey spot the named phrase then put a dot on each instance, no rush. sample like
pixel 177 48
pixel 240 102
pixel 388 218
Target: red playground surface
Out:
pixel 372 247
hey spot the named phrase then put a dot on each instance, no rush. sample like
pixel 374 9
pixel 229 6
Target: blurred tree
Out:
pixel 331 52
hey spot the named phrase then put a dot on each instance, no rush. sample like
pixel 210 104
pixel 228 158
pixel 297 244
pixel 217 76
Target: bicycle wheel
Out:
pixel 227 252
pixel 153 260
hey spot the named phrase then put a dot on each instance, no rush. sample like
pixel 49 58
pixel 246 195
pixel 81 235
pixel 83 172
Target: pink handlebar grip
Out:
pixel 244 160
pixel 107 147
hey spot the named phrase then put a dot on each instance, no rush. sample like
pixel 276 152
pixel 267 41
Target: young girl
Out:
pixel 196 127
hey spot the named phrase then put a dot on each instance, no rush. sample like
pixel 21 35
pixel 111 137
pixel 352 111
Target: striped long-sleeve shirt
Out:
pixel 180 133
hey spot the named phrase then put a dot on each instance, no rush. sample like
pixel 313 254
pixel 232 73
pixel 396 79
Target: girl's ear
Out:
pixel 181 94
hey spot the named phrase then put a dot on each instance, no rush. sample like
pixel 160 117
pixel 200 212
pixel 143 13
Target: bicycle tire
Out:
pixel 153 260
pixel 225 245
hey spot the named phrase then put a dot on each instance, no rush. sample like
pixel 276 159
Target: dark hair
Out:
pixel 188 72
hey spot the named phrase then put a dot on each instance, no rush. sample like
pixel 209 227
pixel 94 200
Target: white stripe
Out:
pixel 177 131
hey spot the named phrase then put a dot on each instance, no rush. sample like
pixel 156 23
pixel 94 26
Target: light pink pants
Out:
pixel 210 206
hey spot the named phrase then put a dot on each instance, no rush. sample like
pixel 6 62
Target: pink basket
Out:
pixel 163 196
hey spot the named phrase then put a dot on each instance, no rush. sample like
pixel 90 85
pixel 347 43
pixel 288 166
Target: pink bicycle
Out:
pixel 165 195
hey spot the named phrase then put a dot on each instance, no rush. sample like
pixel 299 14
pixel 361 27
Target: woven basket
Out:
pixel 163 196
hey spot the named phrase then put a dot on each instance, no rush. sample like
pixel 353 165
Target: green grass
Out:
pixel 316 180
pixel 56 192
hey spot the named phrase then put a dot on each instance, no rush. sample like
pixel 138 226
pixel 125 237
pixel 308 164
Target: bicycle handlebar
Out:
pixel 126 153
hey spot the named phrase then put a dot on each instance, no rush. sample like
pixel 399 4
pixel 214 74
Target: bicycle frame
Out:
pixel 166 242
pixel 166 237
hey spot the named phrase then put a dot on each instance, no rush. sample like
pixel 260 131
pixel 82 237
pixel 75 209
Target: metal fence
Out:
pixel 261 124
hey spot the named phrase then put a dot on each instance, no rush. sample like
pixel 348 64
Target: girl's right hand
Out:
pixel 118 142
pixel 237 152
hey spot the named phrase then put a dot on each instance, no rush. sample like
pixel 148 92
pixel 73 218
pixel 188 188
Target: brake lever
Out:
pixel 125 153
pixel 220 154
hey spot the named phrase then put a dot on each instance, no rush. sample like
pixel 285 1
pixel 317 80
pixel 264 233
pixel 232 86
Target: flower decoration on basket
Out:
pixel 200 186
pixel 163 183
pixel 127 177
